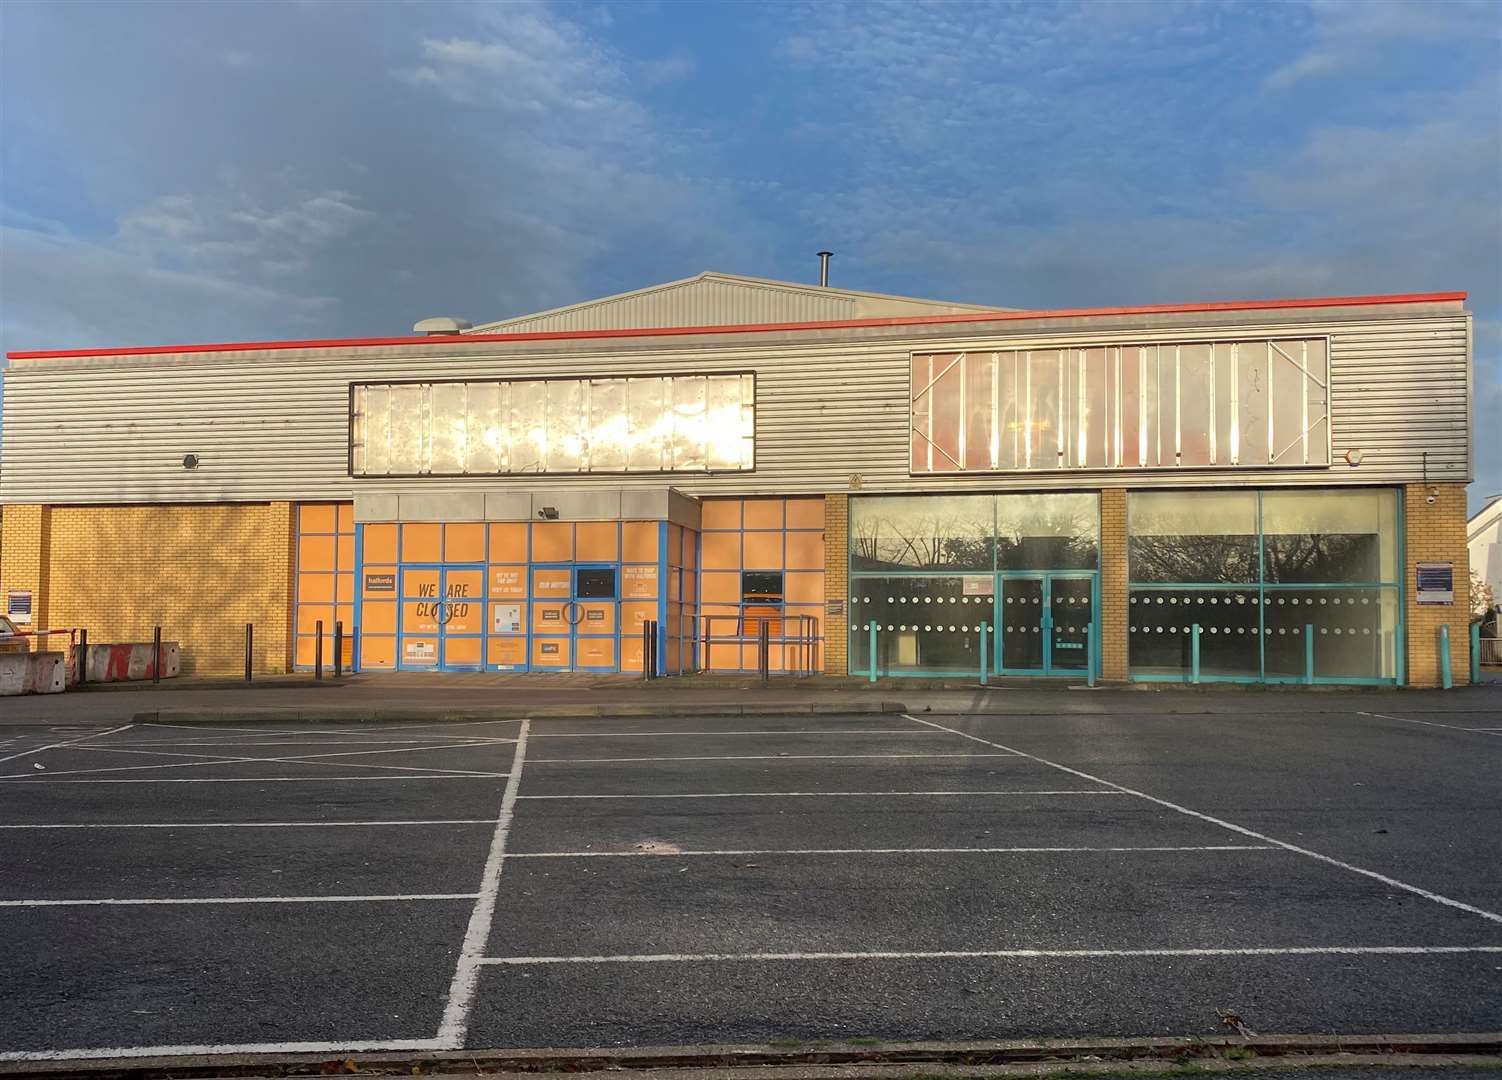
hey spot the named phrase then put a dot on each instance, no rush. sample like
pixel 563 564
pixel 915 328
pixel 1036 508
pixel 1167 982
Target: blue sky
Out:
pixel 192 172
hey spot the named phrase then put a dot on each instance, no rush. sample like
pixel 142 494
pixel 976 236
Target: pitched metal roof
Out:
pixel 715 299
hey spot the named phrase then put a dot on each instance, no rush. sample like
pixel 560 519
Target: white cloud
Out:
pixel 669 69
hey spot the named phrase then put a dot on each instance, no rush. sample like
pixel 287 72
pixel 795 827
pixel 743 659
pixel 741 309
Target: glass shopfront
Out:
pixel 933 577
pixel 1272 586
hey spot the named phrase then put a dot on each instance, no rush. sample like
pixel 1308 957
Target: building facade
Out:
pixel 1247 492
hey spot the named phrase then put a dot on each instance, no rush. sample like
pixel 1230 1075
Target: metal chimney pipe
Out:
pixel 824 257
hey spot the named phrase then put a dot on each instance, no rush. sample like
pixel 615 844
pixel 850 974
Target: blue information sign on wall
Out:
pixel 1436 582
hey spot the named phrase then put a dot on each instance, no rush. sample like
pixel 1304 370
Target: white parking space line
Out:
pixel 832 794
pixel 219 1048
pixel 885 851
pixel 195 900
pixel 697 734
pixel 68 742
pixel 1000 954
pixel 755 757
pixel 455 1023
pixel 255 824
pixel 205 760
pixel 247 745
pixel 262 779
pixel 1242 830
pixel 1432 723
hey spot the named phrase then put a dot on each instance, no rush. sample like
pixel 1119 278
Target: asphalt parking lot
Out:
pixel 693 880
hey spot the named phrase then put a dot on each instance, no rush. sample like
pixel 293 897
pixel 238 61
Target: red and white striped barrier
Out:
pixel 127 663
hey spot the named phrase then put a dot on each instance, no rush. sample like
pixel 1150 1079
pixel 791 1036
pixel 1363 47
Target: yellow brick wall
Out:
pixel 1436 532
pixel 1113 584
pixel 836 582
pixel 23 565
pixel 200 572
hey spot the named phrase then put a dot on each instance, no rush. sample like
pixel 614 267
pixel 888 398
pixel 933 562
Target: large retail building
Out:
pixel 1265 491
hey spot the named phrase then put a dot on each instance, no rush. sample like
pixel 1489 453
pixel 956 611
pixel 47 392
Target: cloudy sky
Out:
pixel 220 171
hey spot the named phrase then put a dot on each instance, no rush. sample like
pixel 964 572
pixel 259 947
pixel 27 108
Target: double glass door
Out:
pixel 1045 623
pixel 575 618
pixel 442 618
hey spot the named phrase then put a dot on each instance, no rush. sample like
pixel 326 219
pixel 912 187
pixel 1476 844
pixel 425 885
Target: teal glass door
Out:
pixel 1045 623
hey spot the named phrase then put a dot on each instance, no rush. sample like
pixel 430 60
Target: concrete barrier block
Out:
pixel 131 662
pixel 32 673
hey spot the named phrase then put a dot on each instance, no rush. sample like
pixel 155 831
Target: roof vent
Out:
pixel 824 257
pixel 441 325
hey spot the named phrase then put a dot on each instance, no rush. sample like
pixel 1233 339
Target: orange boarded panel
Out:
pixel 420 583
pixel 675 545
pixel 763 514
pixel 346 553
pixel 724 657
pixel 377 652
pixel 763 551
pixel 595 652
pixel 595 617
pixel 550 652
pixel 315 588
pixel 308 616
pixel 464 616
pixel 508 542
pixel 464 584
pixel 552 583
pixel 304 653
pixel 675 590
pixel 380 544
pixel 720 514
pixel 690 550
pixel 316 518
pixel 633 614
pixel 508 581
pixel 506 651
pixel 347 517
pixel 550 618
pixel 597 541
pixel 463 650
pixel 507 618
pixel 344 585
pixel 639 582
pixel 418 617
pixel 552 541
pixel 344 613
pixel 422 542
pixel 464 542
pixel 639 541
pixel 803 588
pixel 805 550
pixel 420 651
pixel 315 553
pixel 721 551
pixel 631 654
pixel 722 587
pixel 805 513
pixel 378 617
pixel 690 585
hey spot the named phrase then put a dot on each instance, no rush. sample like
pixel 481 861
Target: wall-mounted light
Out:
pixel 1353 458
pixel 548 513
pixel 190 461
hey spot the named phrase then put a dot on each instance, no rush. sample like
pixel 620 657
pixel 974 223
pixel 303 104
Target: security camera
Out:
pixel 1431 499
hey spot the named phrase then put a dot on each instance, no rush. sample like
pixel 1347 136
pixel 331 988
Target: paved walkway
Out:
pixel 402 695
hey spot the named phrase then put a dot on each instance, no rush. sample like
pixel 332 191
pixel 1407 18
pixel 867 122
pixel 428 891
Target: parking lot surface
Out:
pixel 574 883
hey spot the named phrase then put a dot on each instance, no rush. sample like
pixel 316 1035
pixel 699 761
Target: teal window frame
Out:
pixel 1263 588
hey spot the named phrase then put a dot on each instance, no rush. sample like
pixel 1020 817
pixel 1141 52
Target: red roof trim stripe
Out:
pixel 758 328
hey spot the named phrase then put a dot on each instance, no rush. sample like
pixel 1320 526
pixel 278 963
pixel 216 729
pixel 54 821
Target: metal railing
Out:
pixel 802 644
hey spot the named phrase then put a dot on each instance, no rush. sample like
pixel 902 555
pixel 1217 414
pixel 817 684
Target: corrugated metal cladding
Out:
pixel 831 405
pixel 722 300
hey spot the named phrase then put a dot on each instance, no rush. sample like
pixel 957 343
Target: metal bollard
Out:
pixel 646 649
pixel 338 648
pixel 250 638
pixel 1446 679
pixel 1308 654
pixel 1475 653
pixel 763 653
pixel 1194 654
pixel 1090 674
pixel 872 627
pixel 83 656
pixel 318 650
pixel 983 654
pixel 156 654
